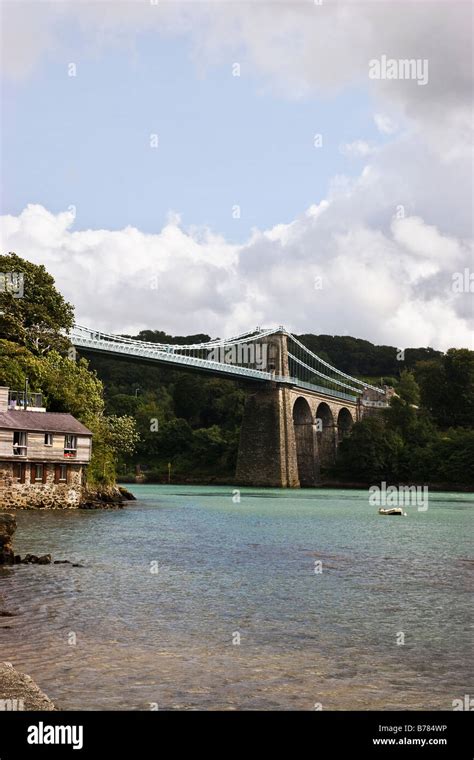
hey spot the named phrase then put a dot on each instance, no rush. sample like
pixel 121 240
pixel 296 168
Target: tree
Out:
pixel 431 377
pixel 404 417
pixel 209 446
pixel 447 388
pixel 34 314
pixel 370 453
pixel 17 363
pixel 174 439
pixel 459 364
pixel 70 386
pixel 113 438
pixel 408 389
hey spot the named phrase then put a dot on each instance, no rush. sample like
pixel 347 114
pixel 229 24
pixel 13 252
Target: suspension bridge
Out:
pixel 300 409
pixel 248 356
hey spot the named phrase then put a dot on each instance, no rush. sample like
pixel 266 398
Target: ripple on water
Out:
pixel 114 635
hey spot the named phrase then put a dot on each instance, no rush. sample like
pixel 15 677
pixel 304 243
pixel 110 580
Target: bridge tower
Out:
pixel 267 448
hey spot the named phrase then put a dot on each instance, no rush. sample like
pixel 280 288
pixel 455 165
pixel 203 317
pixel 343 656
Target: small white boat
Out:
pixel 392 511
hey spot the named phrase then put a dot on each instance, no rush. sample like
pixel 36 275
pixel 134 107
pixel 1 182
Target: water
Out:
pixel 146 639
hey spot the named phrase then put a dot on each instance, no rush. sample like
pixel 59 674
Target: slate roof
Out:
pixel 48 422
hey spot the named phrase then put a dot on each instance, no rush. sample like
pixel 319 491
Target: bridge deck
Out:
pixel 194 357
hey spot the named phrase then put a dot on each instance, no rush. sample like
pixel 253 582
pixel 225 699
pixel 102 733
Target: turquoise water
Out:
pixel 116 635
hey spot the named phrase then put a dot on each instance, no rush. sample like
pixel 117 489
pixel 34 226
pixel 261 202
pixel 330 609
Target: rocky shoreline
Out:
pixel 18 691
pixel 110 497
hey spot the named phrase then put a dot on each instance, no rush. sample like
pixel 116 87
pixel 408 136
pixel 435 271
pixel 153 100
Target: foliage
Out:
pixel 447 388
pixel 114 438
pixel 371 453
pixel 39 317
pixel 33 345
pixel 406 444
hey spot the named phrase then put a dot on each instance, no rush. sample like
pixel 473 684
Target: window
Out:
pixel 70 445
pixel 61 473
pixel 20 440
pixel 48 439
pixel 38 473
pixel 19 472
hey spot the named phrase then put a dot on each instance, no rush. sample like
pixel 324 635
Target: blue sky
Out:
pixel 223 140
pixel 380 216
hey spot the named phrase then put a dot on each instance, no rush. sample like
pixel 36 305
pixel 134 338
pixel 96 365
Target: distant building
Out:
pixel 371 402
pixel 43 455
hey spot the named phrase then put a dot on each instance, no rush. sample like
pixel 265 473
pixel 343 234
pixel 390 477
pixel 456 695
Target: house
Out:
pixel 43 455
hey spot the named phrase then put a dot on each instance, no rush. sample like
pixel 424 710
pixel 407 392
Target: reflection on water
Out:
pixel 117 635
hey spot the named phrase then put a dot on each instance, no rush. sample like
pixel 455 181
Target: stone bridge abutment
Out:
pixel 290 434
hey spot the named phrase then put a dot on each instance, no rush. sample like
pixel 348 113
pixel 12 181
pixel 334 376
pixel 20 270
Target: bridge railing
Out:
pixel 306 368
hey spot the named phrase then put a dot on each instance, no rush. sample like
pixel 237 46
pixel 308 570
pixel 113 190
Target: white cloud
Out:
pixel 384 124
pixel 357 149
pixel 373 281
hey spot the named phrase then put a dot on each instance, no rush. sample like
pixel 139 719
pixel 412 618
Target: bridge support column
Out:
pixel 267 449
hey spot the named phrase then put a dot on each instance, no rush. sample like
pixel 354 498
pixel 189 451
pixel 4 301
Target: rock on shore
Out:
pixel 110 497
pixel 7 529
pixel 19 692
pixel 7 555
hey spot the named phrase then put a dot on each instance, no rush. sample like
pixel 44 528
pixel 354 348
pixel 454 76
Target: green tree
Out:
pixel 37 319
pixel 404 417
pixel 209 447
pixel 459 364
pixel 370 453
pixel 113 439
pixel 431 378
pixel 174 439
pixel 408 389
pixel 447 388
pixel 69 386
pixel 16 364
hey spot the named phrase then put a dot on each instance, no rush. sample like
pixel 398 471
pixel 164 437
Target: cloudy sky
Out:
pixel 210 167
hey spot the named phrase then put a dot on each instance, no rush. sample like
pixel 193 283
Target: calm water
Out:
pixel 248 569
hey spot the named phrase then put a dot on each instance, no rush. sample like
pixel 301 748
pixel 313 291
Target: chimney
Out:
pixel 3 398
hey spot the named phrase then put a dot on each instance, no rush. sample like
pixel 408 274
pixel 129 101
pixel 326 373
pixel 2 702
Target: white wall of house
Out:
pixel 38 451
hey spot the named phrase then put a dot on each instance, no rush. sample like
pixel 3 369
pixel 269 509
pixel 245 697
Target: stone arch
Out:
pixel 344 424
pixel 325 435
pixel 305 442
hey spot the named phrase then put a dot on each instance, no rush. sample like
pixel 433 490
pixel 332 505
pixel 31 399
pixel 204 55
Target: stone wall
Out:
pixel 280 446
pixel 48 495
pixel 265 458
